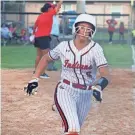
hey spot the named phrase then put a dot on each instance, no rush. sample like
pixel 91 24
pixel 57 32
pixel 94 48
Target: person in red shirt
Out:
pixel 42 30
pixel 111 28
pixel 121 31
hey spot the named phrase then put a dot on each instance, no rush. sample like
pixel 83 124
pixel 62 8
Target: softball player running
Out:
pixel 81 59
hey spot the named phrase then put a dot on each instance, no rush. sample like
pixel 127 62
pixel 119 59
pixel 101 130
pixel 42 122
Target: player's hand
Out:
pixel 97 93
pixel 31 88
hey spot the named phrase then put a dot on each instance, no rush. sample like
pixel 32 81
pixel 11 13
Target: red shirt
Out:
pixel 121 29
pixel 111 25
pixel 43 24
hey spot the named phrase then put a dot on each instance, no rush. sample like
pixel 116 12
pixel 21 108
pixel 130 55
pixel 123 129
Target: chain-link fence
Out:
pixel 25 21
pixel 102 34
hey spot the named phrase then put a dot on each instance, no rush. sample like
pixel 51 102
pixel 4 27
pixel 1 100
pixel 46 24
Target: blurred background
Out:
pixel 22 14
pixel 19 18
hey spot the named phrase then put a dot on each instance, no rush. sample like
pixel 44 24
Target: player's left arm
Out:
pixel 104 72
pixel 104 78
pixel 101 83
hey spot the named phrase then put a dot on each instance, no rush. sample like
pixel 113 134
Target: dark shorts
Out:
pixel 42 42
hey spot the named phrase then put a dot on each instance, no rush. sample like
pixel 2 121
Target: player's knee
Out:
pixel 72 133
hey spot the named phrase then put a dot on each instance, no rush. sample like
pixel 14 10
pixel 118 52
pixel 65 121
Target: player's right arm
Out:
pixel 52 55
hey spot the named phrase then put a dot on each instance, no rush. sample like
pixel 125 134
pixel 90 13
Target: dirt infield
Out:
pixel 23 115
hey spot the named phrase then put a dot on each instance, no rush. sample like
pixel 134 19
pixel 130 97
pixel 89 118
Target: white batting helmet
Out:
pixel 88 19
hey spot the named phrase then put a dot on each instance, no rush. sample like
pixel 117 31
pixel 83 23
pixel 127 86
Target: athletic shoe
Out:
pixel 44 76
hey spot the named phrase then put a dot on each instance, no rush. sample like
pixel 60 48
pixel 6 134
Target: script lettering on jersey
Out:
pixel 76 65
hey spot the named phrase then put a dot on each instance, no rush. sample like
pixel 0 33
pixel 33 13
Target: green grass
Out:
pixel 105 36
pixel 17 57
pixel 118 55
pixel 24 56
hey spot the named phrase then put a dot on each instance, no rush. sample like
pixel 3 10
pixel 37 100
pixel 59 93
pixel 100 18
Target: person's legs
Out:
pixel 110 37
pixel 65 101
pixel 44 44
pixel 38 57
pixel 45 51
pixel 40 54
pixel 123 36
pixel 84 105
pixel 119 36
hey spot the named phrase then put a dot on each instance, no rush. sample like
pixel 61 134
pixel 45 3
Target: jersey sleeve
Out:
pixel 55 53
pixel 99 57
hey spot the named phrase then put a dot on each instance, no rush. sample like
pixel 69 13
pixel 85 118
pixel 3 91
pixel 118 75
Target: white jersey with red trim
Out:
pixel 72 96
pixel 79 66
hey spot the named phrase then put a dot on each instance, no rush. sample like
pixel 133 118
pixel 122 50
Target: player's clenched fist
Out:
pixel 97 93
pixel 98 88
pixel 31 89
